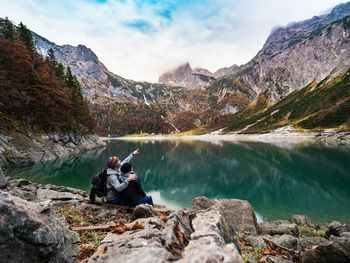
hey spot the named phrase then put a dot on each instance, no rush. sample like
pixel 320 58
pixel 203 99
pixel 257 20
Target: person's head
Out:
pixel 113 162
pixel 126 167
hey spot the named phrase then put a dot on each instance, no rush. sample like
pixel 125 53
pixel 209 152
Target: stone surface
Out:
pixel 240 214
pixel 44 194
pixel 151 244
pixel 301 220
pixel 143 211
pixel 335 250
pixel 336 228
pixel 3 180
pixel 23 149
pixel 279 227
pixel 309 242
pixel 30 233
pixel 202 203
pixel 287 241
pixel 274 259
pixel 211 250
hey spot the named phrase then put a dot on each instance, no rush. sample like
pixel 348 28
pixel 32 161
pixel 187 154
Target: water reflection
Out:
pixel 306 179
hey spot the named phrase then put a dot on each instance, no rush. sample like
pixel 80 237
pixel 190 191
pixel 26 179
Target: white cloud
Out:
pixel 209 34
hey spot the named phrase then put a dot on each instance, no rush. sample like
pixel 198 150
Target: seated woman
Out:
pixel 133 194
pixel 115 182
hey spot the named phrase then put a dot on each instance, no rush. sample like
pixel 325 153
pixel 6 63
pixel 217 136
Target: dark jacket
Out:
pixel 131 194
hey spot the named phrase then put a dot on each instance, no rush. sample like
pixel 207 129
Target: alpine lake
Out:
pixel 278 180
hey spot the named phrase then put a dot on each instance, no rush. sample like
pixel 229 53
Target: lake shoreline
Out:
pixel 284 135
pixel 227 227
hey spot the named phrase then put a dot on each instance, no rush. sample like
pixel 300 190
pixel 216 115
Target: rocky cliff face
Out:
pixel 294 56
pixel 186 77
pixel 99 85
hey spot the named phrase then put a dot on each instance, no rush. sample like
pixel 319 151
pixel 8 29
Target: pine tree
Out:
pixel 59 70
pixel 51 58
pixel 25 35
pixel 7 29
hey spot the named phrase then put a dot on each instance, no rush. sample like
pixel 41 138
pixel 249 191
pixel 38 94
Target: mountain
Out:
pixel 225 71
pixel 186 77
pixel 293 56
pixel 319 105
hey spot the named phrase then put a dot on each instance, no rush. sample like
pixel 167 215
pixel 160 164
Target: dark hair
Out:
pixel 126 167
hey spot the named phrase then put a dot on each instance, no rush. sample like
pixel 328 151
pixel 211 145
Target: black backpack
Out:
pixel 99 185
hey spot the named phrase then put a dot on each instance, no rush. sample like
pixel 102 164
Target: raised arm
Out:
pixel 128 159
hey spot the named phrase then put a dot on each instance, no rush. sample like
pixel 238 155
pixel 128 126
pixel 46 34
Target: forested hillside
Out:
pixel 37 93
pixel 321 105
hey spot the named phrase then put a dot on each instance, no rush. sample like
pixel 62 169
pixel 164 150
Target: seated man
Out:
pixel 133 194
pixel 115 182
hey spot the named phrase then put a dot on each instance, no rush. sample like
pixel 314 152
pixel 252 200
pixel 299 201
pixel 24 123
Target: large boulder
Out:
pixel 30 233
pixel 336 229
pixel 337 249
pixel 213 239
pixel 156 242
pixel 278 227
pixel 239 213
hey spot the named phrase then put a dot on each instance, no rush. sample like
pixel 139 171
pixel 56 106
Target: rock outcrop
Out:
pixel 294 56
pixel 186 77
pixel 30 233
pixel 18 149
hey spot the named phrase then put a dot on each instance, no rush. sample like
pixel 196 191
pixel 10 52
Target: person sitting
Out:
pixel 133 194
pixel 115 182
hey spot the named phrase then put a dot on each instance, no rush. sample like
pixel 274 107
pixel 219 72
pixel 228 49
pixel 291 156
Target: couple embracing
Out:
pixel 123 186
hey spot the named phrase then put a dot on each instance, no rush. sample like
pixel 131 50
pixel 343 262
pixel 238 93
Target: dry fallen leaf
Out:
pixel 87 248
pixel 101 250
pixel 119 229
pixel 266 251
pixel 137 225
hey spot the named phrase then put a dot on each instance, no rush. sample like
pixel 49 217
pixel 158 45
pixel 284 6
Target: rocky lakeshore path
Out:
pixel 47 223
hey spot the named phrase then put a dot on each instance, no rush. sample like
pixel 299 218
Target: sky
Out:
pixel 141 39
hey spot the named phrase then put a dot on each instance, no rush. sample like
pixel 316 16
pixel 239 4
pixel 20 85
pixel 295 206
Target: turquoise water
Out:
pixel 278 181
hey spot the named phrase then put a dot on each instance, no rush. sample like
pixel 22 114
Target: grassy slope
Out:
pixel 319 105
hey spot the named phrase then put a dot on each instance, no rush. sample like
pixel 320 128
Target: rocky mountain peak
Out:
pixel 186 77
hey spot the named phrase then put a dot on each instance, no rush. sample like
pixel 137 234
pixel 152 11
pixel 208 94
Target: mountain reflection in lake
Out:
pixel 278 181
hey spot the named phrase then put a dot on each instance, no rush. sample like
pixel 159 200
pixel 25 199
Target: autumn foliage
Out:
pixel 32 95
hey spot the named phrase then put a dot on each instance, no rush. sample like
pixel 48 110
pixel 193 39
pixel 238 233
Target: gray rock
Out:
pixel 301 220
pixel 274 259
pixel 240 214
pixel 345 234
pixel 143 211
pixel 211 250
pixel 142 246
pixel 309 242
pixel 257 241
pixel 336 228
pixel 3 180
pixel 202 203
pixel 44 194
pixel 28 235
pixel 335 250
pixel 287 241
pixel 279 227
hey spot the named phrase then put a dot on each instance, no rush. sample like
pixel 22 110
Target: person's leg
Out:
pixel 145 200
pixel 116 201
